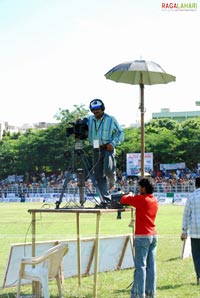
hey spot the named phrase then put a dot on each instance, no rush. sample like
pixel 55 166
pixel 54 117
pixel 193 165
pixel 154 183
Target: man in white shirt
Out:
pixel 191 225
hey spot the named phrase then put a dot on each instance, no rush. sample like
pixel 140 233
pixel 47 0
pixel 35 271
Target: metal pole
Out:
pixel 142 128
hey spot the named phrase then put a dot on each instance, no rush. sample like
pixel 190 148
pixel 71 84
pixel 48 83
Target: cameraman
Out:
pixel 145 240
pixel 104 134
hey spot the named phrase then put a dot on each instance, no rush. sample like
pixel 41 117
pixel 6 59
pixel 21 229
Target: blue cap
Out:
pixel 96 104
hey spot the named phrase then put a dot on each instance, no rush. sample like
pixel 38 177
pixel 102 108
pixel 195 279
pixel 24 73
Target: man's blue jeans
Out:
pixel 144 285
pixel 104 167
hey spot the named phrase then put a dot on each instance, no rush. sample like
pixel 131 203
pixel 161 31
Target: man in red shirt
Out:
pixel 145 239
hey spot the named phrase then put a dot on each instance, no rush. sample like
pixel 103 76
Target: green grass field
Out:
pixel 175 277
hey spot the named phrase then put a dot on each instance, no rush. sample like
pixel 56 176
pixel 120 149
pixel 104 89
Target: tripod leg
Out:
pixel 91 174
pixel 81 184
pixel 67 178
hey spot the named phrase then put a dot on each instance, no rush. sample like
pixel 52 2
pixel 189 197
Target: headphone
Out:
pixel 97 103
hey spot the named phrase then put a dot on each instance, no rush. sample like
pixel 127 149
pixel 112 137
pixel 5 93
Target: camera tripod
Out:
pixel 78 150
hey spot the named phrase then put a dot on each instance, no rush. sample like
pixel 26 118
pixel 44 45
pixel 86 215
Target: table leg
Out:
pixel 133 220
pixel 133 231
pixel 33 252
pixel 33 234
pixel 78 248
pixel 96 256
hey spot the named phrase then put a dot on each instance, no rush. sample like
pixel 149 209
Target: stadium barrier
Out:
pixel 73 195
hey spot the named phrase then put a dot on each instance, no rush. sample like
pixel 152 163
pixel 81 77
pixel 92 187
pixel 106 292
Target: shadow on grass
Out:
pixel 173 259
pixel 168 287
pixel 8 295
pixel 13 295
pixel 121 293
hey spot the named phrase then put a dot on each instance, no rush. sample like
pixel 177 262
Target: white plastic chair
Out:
pixel 41 269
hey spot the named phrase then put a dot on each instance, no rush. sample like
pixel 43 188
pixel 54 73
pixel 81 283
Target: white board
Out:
pixel 186 248
pixel 115 253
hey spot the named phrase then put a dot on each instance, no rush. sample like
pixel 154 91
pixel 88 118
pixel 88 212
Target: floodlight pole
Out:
pixel 142 127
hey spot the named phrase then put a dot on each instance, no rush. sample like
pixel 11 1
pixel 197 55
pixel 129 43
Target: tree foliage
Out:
pixel 43 150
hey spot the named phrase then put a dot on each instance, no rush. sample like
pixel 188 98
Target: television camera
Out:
pixel 79 129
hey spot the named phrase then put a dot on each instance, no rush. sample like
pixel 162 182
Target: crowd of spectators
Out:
pixel 37 183
pixel 164 181
pixel 180 180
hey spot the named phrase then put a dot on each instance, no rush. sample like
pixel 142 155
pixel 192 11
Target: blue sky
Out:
pixel 54 54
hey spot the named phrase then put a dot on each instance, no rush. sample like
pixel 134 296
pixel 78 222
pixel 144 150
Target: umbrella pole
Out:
pixel 142 128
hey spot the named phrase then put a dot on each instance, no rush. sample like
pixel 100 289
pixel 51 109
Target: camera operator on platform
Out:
pixel 104 134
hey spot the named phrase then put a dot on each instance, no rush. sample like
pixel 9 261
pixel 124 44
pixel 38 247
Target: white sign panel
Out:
pixel 115 253
pixel 133 163
pixel 180 198
pixel 172 166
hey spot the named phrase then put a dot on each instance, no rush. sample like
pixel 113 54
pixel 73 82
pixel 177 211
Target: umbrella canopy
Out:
pixel 140 72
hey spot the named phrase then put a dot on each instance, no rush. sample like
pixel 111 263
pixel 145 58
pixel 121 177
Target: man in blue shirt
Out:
pixel 104 134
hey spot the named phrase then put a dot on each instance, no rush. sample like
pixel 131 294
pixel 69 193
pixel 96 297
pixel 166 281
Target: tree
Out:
pixel 43 150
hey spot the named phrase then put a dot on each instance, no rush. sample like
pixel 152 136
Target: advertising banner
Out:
pixel 172 166
pixel 133 163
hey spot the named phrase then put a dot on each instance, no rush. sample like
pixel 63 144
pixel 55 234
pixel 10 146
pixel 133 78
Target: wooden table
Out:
pixel 98 213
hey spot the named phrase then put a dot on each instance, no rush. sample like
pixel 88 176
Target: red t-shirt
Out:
pixel 146 207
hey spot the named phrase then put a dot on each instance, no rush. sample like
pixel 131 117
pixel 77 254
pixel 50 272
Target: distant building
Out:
pixel 41 125
pixel 178 116
pixel 5 127
pixel 135 125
